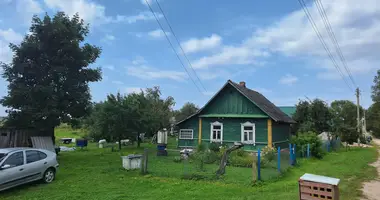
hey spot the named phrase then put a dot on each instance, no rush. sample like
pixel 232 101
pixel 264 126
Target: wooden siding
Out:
pixel 281 133
pixel 191 123
pixel 232 130
pixel 230 101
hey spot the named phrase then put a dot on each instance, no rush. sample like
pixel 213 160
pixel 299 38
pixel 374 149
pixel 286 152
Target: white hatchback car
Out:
pixel 23 165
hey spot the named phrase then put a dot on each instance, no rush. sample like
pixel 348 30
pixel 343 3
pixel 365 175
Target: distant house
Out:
pixel 289 110
pixel 236 114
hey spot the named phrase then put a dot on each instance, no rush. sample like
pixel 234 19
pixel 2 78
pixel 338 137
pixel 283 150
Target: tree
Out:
pixel 312 116
pixel 344 120
pixel 49 74
pixel 373 119
pixel 186 110
pixel 376 88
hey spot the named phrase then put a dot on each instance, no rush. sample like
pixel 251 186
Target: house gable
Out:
pixel 230 102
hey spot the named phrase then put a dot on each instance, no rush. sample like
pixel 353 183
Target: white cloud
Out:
pixel 108 38
pixel 117 82
pixel 356 25
pixel 6 37
pixel 110 67
pixel 158 33
pixel 94 13
pixel 133 89
pixel 288 79
pixel 195 45
pixel 27 8
pixel 10 36
pixel 149 73
pixel 231 55
pixel 139 60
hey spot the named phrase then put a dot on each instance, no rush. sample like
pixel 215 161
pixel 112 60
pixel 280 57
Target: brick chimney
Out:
pixel 242 83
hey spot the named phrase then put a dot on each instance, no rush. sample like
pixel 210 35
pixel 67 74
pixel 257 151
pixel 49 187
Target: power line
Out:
pixel 331 33
pixel 179 44
pixel 171 45
pixel 311 20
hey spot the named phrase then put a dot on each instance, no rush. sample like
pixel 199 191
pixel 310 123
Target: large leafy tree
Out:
pixel 376 88
pixel 373 119
pixel 49 74
pixel 312 116
pixel 186 110
pixel 344 120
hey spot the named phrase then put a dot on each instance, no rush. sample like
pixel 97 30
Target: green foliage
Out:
pixel 197 176
pixel 373 119
pixel 269 153
pixel 302 139
pixel 240 161
pixel 186 110
pixel 177 159
pixel 201 147
pixel 312 116
pixel 215 147
pixel 376 88
pixel 241 152
pixel 48 78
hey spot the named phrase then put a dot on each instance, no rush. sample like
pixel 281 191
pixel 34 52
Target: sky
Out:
pixel 268 44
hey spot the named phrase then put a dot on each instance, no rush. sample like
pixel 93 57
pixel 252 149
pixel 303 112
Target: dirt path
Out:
pixel 371 190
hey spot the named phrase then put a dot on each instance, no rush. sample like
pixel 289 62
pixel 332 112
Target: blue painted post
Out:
pixel 294 154
pixel 279 159
pixel 308 150
pixel 290 153
pixel 258 165
pixel 328 146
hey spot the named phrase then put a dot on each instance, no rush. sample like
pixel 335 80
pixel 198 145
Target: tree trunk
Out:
pixel 138 140
pixel 119 144
pixel 223 161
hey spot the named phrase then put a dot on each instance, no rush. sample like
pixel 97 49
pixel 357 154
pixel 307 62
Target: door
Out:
pixel 36 164
pixel 15 173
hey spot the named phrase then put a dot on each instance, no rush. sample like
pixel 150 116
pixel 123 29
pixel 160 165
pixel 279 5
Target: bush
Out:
pixel 269 153
pixel 215 147
pixel 302 139
pixel 177 159
pixel 240 161
pixel 201 147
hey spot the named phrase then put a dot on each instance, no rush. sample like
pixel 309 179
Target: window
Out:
pixel 248 133
pixel 2 156
pixel 14 160
pixel 33 156
pixel 186 134
pixel 216 132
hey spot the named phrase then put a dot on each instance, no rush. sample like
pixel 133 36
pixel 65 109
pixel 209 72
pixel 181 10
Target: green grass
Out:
pixel 98 174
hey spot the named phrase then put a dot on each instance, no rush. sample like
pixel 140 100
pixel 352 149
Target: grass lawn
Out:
pixel 97 174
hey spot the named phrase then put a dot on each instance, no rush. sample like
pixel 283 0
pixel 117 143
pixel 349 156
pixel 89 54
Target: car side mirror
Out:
pixel 5 167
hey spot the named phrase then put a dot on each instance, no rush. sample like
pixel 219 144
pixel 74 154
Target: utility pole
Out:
pixel 358 113
pixel 358 109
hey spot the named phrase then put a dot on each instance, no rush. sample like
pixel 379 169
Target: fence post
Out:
pixel 144 168
pixel 279 159
pixel 308 150
pixel 294 155
pixel 328 146
pixel 258 165
pixel 290 154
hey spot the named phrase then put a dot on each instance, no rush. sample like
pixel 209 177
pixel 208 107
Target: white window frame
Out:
pixel 192 134
pixel 248 124
pixel 216 123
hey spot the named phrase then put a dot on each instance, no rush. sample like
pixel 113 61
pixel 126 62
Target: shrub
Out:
pixel 241 152
pixel 215 147
pixel 269 153
pixel 177 159
pixel 302 139
pixel 201 147
pixel 240 161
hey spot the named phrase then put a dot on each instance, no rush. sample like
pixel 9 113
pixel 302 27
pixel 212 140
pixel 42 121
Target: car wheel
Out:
pixel 49 175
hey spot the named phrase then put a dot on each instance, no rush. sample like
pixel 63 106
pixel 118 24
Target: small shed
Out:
pixel 12 137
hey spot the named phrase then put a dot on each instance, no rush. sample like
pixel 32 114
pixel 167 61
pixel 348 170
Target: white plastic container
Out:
pixel 132 161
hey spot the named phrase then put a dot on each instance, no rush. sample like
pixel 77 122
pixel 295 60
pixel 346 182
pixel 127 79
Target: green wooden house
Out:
pixel 236 114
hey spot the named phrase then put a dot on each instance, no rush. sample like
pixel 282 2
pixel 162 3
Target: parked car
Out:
pixel 23 165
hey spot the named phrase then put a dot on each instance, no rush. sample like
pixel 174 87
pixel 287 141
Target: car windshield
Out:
pixel 2 156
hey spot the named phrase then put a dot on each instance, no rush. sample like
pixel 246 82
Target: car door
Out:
pixel 35 164
pixel 14 174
